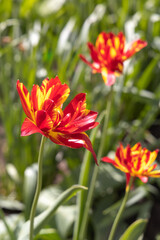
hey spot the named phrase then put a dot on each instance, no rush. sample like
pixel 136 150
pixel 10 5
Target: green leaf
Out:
pixel 145 79
pixel 45 216
pixel 48 234
pixel 134 230
pixel 135 196
pixel 26 7
pixel 11 204
pixel 64 218
pixel 30 179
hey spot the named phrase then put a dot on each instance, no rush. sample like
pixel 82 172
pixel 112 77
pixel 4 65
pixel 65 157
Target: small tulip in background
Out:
pixel 109 53
pixel 135 162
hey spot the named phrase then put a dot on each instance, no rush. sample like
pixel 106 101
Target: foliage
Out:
pixel 41 39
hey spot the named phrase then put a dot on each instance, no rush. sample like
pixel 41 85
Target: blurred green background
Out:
pixel 41 39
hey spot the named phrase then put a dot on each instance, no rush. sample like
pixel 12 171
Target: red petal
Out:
pixel 128 176
pixel 93 52
pixel 93 66
pixel 43 121
pixel 122 41
pixel 73 141
pixel 53 82
pixel 72 106
pixel 28 128
pixel 108 160
pixel 58 94
pixel 47 84
pixel 81 124
pixel 48 106
pixel 135 46
pixel 54 112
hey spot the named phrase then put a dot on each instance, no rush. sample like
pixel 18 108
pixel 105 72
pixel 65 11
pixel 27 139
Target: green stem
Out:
pixel 119 214
pixel 95 172
pixel 38 188
pixel 83 180
pixel 10 232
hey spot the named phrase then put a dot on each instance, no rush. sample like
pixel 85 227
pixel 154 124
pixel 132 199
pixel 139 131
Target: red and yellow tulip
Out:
pixel 109 53
pixel 43 108
pixel 135 161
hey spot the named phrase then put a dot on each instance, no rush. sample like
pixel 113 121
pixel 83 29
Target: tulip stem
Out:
pixel 95 172
pixel 83 180
pixel 38 188
pixel 119 214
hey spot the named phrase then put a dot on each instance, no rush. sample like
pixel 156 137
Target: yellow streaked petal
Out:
pixel 152 158
pixel 116 42
pixel 100 40
pixel 113 52
pixel 109 43
pixel 40 98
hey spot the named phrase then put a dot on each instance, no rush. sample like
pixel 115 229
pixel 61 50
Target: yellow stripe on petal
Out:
pixel 136 147
pixel 102 51
pixel 113 52
pixel 40 98
pixel 104 73
pixel 109 43
pixel 152 158
pixel 116 42
pixel 120 67
pixel 100 40
pixel 154 174
pixel 25 100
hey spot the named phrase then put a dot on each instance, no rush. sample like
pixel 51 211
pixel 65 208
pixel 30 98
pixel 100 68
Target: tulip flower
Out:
pixel 109 53
pixel 43 108
pixel 135 162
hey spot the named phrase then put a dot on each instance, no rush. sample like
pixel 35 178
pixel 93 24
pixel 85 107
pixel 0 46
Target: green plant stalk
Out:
pixel 10 232
pixel 38 188
pixel 95 172
pixel 119 214
pixel 83 180
pixel 42 219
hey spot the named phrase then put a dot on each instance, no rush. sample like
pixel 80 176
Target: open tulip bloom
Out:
pixel 135 162
pixel 43 108
pixel 109 53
